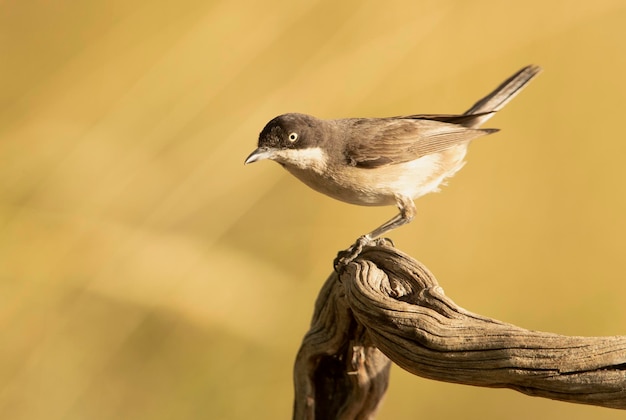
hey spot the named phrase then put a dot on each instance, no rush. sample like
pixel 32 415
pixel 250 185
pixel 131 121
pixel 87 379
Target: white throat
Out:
pixel 311 158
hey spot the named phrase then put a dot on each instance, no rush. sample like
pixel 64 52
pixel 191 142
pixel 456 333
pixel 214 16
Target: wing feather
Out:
pixel 376 142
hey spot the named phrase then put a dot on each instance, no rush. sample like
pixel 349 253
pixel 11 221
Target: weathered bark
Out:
pixel 384 301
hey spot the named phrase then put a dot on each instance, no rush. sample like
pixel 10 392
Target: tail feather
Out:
pixel 487 106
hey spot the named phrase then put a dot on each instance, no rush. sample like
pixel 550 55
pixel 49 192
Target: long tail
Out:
pixel 487 106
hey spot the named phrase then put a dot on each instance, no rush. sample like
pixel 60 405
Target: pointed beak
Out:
pixel 260 154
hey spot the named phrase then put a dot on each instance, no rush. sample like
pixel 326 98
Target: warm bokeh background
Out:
pixel 145 273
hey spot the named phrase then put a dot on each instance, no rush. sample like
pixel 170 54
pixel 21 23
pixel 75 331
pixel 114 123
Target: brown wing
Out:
pixel 387 141
pixel 466 120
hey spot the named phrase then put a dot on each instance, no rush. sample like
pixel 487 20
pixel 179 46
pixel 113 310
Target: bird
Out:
pixel 381 161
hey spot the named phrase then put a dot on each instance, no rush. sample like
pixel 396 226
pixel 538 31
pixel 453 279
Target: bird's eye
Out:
pixel 293 137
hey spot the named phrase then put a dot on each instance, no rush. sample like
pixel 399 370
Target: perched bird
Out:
pixel 381 161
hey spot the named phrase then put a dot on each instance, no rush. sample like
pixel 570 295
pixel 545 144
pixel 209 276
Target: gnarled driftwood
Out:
pixel 387 306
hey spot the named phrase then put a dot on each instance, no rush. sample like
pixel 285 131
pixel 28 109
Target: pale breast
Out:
pixel 380 186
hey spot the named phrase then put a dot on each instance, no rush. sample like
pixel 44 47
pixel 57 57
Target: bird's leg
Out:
pixel 407 213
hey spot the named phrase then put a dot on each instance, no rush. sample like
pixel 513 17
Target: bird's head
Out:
pixel 295 140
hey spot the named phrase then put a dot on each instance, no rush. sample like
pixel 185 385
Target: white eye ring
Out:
pixel 293 137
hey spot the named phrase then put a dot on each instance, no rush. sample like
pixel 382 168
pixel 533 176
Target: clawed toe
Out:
pixel 348 255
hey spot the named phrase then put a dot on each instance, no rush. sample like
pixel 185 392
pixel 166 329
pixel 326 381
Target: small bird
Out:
pixel 381 161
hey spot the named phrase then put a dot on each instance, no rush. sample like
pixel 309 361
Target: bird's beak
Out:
pixel 260 154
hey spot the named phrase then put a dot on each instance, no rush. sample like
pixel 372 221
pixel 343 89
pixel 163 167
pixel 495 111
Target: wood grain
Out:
pixel 387 306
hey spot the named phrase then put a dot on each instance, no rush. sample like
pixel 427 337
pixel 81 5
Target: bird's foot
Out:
pixel 346 256
pixel 384 242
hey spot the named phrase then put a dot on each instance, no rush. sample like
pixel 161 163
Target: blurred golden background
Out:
pixel 145 273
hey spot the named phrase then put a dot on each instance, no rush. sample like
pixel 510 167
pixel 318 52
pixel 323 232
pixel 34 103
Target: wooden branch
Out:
pixel 387 305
